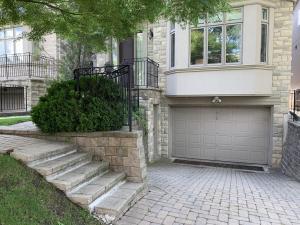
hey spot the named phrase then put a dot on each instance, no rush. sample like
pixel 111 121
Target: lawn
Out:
pixel 6 121
pixel 27 199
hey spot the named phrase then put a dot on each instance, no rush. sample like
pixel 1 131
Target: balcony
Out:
pixel 220 81
pixel 27 66
pixel 145 72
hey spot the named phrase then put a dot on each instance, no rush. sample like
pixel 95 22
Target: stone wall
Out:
pixel 290 163
pixel 123 150
pixel 35 89
pixel 149 99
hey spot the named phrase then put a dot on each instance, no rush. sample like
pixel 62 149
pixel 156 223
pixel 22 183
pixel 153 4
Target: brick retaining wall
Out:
pixel 290 163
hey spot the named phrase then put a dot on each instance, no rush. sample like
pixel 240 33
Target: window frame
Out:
pixel 14 38
pixel 171 54
pixel 224 23
pixel 265 22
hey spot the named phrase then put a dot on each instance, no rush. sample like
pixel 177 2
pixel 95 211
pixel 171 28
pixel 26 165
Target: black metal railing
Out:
pixel 145 72
pixel 121 75
pixel 295 102
pixel 13 98
pixel 27 65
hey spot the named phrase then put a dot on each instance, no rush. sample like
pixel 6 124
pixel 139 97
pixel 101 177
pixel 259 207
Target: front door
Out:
pixel 126 50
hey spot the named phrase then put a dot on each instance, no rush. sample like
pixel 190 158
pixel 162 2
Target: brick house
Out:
pixel 223 85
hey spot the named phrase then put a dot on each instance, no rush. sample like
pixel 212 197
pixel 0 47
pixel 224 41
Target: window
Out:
pixel 217 40
pixel 264 35
pixel 11 41
pixel 172 43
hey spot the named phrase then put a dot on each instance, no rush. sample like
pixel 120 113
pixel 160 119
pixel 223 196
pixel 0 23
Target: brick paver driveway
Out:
pixel 194 195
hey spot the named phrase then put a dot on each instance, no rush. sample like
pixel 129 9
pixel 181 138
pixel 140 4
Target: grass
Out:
pixel 6 121
pixel 27 199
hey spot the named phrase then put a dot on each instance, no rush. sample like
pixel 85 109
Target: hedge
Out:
pixel 98 107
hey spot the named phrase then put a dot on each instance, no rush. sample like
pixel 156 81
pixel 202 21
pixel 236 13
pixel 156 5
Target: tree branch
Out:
pixel 50 6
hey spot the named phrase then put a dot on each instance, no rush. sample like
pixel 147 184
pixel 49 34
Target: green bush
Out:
pixel 98 107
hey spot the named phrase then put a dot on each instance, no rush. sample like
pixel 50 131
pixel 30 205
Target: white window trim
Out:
pixel 223 24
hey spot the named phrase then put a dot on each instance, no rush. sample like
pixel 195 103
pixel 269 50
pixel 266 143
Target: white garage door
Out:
pixel 222 134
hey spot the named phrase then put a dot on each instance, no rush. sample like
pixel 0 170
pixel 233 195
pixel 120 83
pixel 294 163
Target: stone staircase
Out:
pixel 90 184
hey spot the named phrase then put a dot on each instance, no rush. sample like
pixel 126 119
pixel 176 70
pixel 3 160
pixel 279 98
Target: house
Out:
pixel 223 85
pixel 25 67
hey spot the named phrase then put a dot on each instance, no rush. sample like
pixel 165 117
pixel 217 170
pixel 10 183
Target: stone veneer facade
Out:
pixel 281 62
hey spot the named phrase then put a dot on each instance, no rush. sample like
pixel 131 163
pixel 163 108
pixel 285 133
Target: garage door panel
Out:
pixel 223 134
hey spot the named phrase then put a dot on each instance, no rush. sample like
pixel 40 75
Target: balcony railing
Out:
pixel 145 72
pixel 26 65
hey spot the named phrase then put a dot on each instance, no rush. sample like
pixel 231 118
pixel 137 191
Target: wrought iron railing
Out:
pixel 13 98
pixel 145 72
pixel 27 65
pixel 119 74
pixel 295 102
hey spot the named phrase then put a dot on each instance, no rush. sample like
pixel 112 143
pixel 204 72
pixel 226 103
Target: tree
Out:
pixel 91 22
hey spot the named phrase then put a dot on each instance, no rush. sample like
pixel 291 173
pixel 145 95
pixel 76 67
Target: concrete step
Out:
pixel 71 179
pixel 111 206
pixel 99 185
pixel 63 163
pixel 37 152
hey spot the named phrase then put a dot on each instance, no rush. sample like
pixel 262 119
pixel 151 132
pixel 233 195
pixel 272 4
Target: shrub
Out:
pixel 98 107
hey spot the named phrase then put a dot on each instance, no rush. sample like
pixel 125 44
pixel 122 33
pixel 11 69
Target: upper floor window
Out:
pixel 172 44
pixel 217 39
pixel 264 35
pixel 11 41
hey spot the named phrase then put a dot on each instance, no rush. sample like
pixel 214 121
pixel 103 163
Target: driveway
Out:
pixel 181 194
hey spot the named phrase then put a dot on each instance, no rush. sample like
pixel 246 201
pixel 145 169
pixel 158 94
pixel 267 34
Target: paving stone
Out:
pixel 219 196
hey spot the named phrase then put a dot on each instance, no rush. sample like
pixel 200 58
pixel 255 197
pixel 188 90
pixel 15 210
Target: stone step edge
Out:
pixel 121 177
pixel 111 219
pixel 44 156
pixel 95 173
pixel 66 167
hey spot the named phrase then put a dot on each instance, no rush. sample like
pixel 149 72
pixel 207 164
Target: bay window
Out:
pixel 217 39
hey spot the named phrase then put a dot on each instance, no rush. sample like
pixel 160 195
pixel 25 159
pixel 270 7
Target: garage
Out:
pixel 228 134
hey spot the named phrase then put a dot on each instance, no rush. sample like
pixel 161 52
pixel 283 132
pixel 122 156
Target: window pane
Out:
pixel 9 33
pixel 214 45
pixel 197 43
pixel 1 34
pixel 233 43
pixel 216 18
pixel 234 15
pixel 9 47
pixel 264 40
pixel 2 47
pixel 172 50
pixel 18 31
pixel 265 14
pixel 172 27
pixel 19 46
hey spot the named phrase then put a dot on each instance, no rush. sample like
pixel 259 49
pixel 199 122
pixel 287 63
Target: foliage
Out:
pixel 26 198
pixel 92 22
pixel 98 107
pixel 7 121
pixel 140 117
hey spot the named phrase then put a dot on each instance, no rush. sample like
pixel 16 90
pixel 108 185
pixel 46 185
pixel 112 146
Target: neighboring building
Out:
pixel 25 68
pixel 223 85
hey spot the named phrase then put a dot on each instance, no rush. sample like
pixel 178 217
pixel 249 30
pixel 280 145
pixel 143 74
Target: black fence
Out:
pixel 295 101
pixel 13 98
pixel 121 75
pixel 27 65
pixel 145 72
